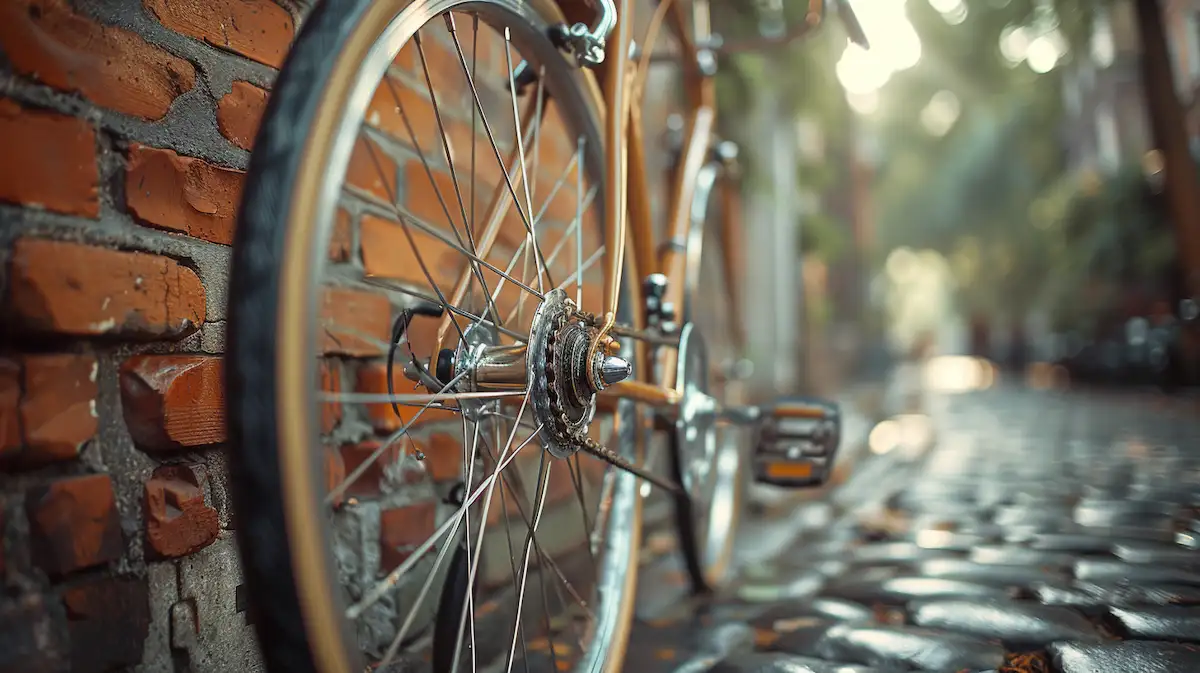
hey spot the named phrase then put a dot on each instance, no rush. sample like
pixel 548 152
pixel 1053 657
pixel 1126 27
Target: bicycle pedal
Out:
pixel 797 442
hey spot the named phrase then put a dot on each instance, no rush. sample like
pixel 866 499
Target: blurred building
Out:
pixel 1181 19
pixel 1105 119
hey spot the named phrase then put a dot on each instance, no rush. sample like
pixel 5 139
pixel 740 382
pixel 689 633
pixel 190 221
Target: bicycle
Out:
pixel 367 257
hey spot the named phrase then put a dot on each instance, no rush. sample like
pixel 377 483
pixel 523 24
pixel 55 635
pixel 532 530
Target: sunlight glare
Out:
pixel 864 103
pixel 945 6
pixel 895 47
pixel 1014 43
pixel 953 11
pixel 861 71
pixel 1042 54
pixel 884 437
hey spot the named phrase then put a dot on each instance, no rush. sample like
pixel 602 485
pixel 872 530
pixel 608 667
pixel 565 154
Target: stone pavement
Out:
pixel 1038 532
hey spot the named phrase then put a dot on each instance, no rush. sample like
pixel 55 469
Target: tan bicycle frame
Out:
pixel 626 188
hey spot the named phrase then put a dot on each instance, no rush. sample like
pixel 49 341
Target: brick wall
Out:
pixel 125 128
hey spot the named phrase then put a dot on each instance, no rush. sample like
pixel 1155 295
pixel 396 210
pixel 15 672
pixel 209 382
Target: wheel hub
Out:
pixel 566 368
pixel 566 361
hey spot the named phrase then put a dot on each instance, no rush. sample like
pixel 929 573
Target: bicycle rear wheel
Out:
pixel 406 213
pixel 707 459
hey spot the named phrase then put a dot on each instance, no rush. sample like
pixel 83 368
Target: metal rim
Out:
pixel 310 222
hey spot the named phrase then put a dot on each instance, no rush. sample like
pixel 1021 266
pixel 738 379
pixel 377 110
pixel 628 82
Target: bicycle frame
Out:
pixel 626 191
pixel 627 194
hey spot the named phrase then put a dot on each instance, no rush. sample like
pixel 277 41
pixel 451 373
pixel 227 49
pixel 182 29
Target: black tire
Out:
pixel 250 372
pixel 707 568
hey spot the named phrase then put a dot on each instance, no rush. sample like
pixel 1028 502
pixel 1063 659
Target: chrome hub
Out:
pixel 564 364
pixel 565 370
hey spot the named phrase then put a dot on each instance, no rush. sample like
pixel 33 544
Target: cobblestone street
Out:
pixel 1040 531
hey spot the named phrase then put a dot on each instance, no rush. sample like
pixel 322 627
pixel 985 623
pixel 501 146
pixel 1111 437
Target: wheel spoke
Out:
pixel 577 483
pixel 545 558
pixel 487 503
pixel 382 587
pixel 413 398
pixel 393 648
pixel 406 220
pixel 579 230
pixel 473 258
pixel 487 127
pixel 572 232
pixel 595 257
pixel 512 94
pixel 467 223
pixel 479 320
pixel 542 490
pixel 390 190
pixel 340 489
pixel 512 552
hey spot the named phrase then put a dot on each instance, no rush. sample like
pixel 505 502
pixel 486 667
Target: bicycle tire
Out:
pixel 292 595
pixel 707 529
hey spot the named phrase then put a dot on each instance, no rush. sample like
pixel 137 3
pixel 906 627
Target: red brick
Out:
pixel 50 160
pixel 406 59
pixel 335 472
pixel 387 253
pixel 372 378
pixel 108 620
pixel 354 322
pixel 402 530
pixel 173 402
pixel 394 101
pixel 11 436
pixel 421 199
pixel 73 524
pixel 487 60
pixel 112 67
pixel 57 409
pixel 445 70
pixel 341 241
pixel 560 210
pixel 257 29
pixel 488 171
pixel 444 455
pixel 182 194
pixel 239 113
pixel 558 143
pixel 330 374
pixel 178 522
pixel 421 337
pixel 370 484
pixel 72 288
pixel 372 171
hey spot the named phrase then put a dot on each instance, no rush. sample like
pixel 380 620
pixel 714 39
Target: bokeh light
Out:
pixel 895 47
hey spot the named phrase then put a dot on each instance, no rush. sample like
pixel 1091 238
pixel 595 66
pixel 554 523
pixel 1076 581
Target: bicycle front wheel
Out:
pixel 419 230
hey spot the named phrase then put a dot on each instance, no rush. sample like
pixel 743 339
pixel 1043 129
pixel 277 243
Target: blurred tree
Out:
pixel 973 163
pixel 991 191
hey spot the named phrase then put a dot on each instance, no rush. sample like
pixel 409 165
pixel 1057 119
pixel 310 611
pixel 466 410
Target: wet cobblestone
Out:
pixel 1040 533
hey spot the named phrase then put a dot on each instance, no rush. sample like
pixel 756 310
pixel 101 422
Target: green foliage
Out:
pixel 809 88
pixel 993 193
pixel 1106 234
pixel 824 236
